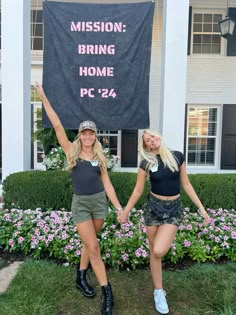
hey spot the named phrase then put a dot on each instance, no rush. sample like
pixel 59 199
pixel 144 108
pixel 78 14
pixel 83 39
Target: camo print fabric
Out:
pixel 151 220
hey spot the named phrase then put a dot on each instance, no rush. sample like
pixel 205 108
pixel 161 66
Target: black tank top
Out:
pixel 86 177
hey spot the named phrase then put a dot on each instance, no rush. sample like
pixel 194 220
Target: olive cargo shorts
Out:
pixel 151 220
pixel 89 207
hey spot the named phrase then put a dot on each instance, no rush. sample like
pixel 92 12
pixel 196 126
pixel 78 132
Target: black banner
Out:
pixel 97 63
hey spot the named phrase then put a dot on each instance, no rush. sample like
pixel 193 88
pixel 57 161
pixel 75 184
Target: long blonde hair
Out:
pixel 166 155
pixel 97 153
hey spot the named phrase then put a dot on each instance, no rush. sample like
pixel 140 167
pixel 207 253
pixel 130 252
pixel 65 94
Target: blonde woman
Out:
pixel 162 212
pixel 91 185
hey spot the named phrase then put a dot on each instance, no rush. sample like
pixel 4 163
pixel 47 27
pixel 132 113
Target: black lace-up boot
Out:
pixel 82 284
pixel 108 300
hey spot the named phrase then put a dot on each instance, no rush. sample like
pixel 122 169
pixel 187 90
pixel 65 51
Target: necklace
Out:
pixel 87 155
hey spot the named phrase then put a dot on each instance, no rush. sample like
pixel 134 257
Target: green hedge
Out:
pixel 53 189
pixel 214 190
pixel 38 189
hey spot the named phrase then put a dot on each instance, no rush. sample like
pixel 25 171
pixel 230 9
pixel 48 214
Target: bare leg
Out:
pixel 155 263
pixel 84 258
pixel 160 239
pixel 88 236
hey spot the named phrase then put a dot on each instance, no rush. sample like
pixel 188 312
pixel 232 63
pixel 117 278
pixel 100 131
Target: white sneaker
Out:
pixel 160 301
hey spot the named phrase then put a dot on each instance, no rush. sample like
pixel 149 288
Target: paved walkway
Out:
pixel 7 274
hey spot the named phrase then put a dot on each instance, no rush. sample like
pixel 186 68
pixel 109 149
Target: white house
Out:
pixel 192 85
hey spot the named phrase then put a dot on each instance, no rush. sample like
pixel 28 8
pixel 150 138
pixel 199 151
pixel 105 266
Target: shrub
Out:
pixel 214 190
pixel 33 189
pixel 55 159
pixel 53 190
pixel 124 184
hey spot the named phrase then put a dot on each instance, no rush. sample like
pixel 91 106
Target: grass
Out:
pixel 45 288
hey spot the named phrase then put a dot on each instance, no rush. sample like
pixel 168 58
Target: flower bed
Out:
pixel 52 234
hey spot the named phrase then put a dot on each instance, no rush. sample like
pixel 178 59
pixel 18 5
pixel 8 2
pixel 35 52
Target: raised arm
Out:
pixel 136 194
pixel 188 188
pixel 54 119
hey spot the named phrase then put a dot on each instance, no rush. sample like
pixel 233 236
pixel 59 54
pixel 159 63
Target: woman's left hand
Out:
pixel 123 217
pixel 204 214
pixel 38 88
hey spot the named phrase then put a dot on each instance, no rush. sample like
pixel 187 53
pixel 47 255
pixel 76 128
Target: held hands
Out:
pixel 204 214
pixel 122 216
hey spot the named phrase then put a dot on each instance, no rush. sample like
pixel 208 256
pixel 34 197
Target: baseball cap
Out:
pixel 87 124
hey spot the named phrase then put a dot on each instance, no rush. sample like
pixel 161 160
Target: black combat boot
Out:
pixel 108 300
pixel 82 284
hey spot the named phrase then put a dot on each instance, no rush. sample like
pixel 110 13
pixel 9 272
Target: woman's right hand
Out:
pixel 39 90
pixel 204 214
pixel 123 216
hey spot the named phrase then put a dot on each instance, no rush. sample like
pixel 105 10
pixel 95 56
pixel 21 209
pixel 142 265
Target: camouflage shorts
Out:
pixel 151 220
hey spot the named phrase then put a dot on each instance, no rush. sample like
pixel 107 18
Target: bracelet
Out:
pixel 119 209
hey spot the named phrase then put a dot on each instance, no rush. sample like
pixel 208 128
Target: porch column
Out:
pixel 173 72
pixel 16 109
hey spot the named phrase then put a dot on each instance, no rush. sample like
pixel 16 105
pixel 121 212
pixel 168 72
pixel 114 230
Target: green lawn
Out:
pixel 44 288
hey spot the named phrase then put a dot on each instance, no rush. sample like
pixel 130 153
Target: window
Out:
pixel 38 150
pixel 206 33
pixel 36 30
pixel 109 139
pixel 201 136
pixel 38 147
pixel 34 95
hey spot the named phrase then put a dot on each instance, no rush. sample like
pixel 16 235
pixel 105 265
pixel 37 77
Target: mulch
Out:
pixel 7 258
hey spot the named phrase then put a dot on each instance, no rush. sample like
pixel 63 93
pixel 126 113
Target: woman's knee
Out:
pixel 94 252
pixel 159 252
pixel 156 252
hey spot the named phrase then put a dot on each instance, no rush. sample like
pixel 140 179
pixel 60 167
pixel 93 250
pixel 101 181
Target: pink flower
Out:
pixel 7 217
pixel 225 245
pixel 233 235
pixel 125 257
pixel 187 243
pixel 20 239
pixel 11 242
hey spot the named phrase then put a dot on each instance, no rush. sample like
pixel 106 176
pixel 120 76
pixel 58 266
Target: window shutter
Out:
pixel 189 30
pixel 129 148
pixel 228 150
pixel 231 42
